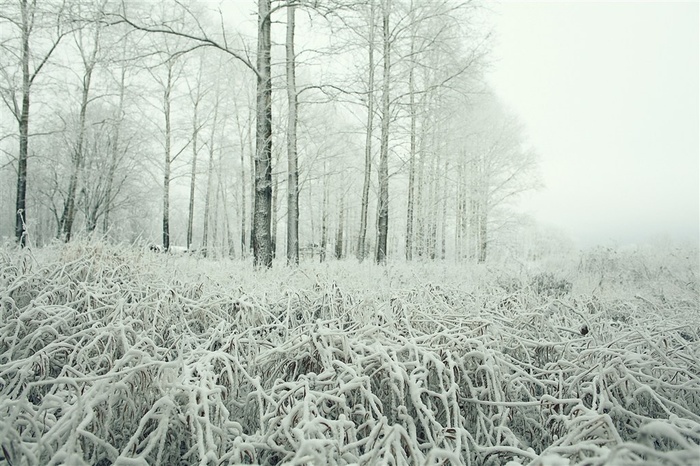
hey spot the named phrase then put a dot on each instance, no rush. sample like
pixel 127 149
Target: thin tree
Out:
pixel 89 60
pixel 340 229
pixel 364 206
pixel 262 208
pixel 196 96
pixel 412 144
pixel 116 141
pixel 292 166
pixel 383 202
pixel 29 21
pixel 167 90
pixel 167 84
pixel 210 169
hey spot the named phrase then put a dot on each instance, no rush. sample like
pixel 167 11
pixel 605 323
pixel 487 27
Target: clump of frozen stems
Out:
pixel 112 356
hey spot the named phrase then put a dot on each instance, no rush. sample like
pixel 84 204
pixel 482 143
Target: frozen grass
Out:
pixel 124 357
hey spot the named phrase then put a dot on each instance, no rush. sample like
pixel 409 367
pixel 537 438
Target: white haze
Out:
pixel 609 94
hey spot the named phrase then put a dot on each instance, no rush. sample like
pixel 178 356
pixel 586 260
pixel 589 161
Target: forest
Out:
pixel 288 232
pixel 347 129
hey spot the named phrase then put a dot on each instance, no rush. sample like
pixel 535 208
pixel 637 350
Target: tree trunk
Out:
pixel 262 248
pixel 443 220
pixel 361 248
pixel 21 201
pixel 483 242
pixel 292 168
pixel 167 161
pixel 215 219
pixel 26 25
pixel 115 149
pixel 324 216
pixel 339 231
pixel 227 240
pixel 210 174
pixel 383 205
pixel 89 62
pixel 431 240
pixel 419 202
pixel 459 209
pixel 412 151
pixel 207 196
pixel 193 175
pixel 244 136
pixel 251 152
pixel 273 219
pixel 244 247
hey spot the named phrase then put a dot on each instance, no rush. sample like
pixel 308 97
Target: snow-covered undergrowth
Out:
pixel 112 356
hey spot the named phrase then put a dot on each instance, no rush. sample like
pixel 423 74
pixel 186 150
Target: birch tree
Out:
pixel 262 207
pixel 29 19
pixel 364 206
pixel 196 96
pixel 383 175
pixel 498 168
pixel 87 40
pixel 116 144
pixel 262 244
pixel 172 72
pixel 292 168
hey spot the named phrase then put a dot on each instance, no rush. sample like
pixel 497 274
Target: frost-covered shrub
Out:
pixel 117 357
pixel 547 285
pixel 509 284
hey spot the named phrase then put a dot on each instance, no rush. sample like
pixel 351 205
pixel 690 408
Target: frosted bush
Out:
pixel 124 357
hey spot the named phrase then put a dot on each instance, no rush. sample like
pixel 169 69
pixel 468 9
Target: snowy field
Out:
pixel 128 357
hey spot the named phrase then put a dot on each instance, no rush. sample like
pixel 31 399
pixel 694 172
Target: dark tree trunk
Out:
pixel 193 175
pixel 262 246
pixel 324 216
pixel 167 161
pixel 339 232
pixel 21 202
pixel 383 205
pixel 244 187
pixel 412 150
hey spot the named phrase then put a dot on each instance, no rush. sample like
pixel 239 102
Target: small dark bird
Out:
pixel 584 330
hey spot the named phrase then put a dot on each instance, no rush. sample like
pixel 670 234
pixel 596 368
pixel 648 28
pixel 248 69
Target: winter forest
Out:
pixel 380 137
pixel 287 232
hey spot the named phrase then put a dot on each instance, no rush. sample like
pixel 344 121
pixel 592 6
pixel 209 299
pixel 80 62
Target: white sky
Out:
pixel 608 92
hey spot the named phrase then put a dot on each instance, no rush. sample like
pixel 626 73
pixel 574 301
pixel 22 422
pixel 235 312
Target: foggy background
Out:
pixel 609 94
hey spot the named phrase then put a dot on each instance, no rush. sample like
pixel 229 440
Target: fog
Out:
pixel 608 92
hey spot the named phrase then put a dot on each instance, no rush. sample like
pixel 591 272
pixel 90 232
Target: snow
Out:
pixel 116 356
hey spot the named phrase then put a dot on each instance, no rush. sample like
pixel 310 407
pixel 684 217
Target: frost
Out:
pixel 116 356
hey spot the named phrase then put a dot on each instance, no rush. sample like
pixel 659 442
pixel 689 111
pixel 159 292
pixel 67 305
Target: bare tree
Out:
pixel 292 168
pixel 340 228
pixel 116 142
pixel 383 179
pixel 173 72
pixel 412 145
pixel 262 209
pixel 88 47
pixel 211 146
pixel 196 95
pixel 324 214
pixel 364 207
pixel 262 245
pixel 31 19
pixel 497 168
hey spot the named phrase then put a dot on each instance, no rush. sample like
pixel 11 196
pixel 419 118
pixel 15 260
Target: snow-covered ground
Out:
pixel 128 357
